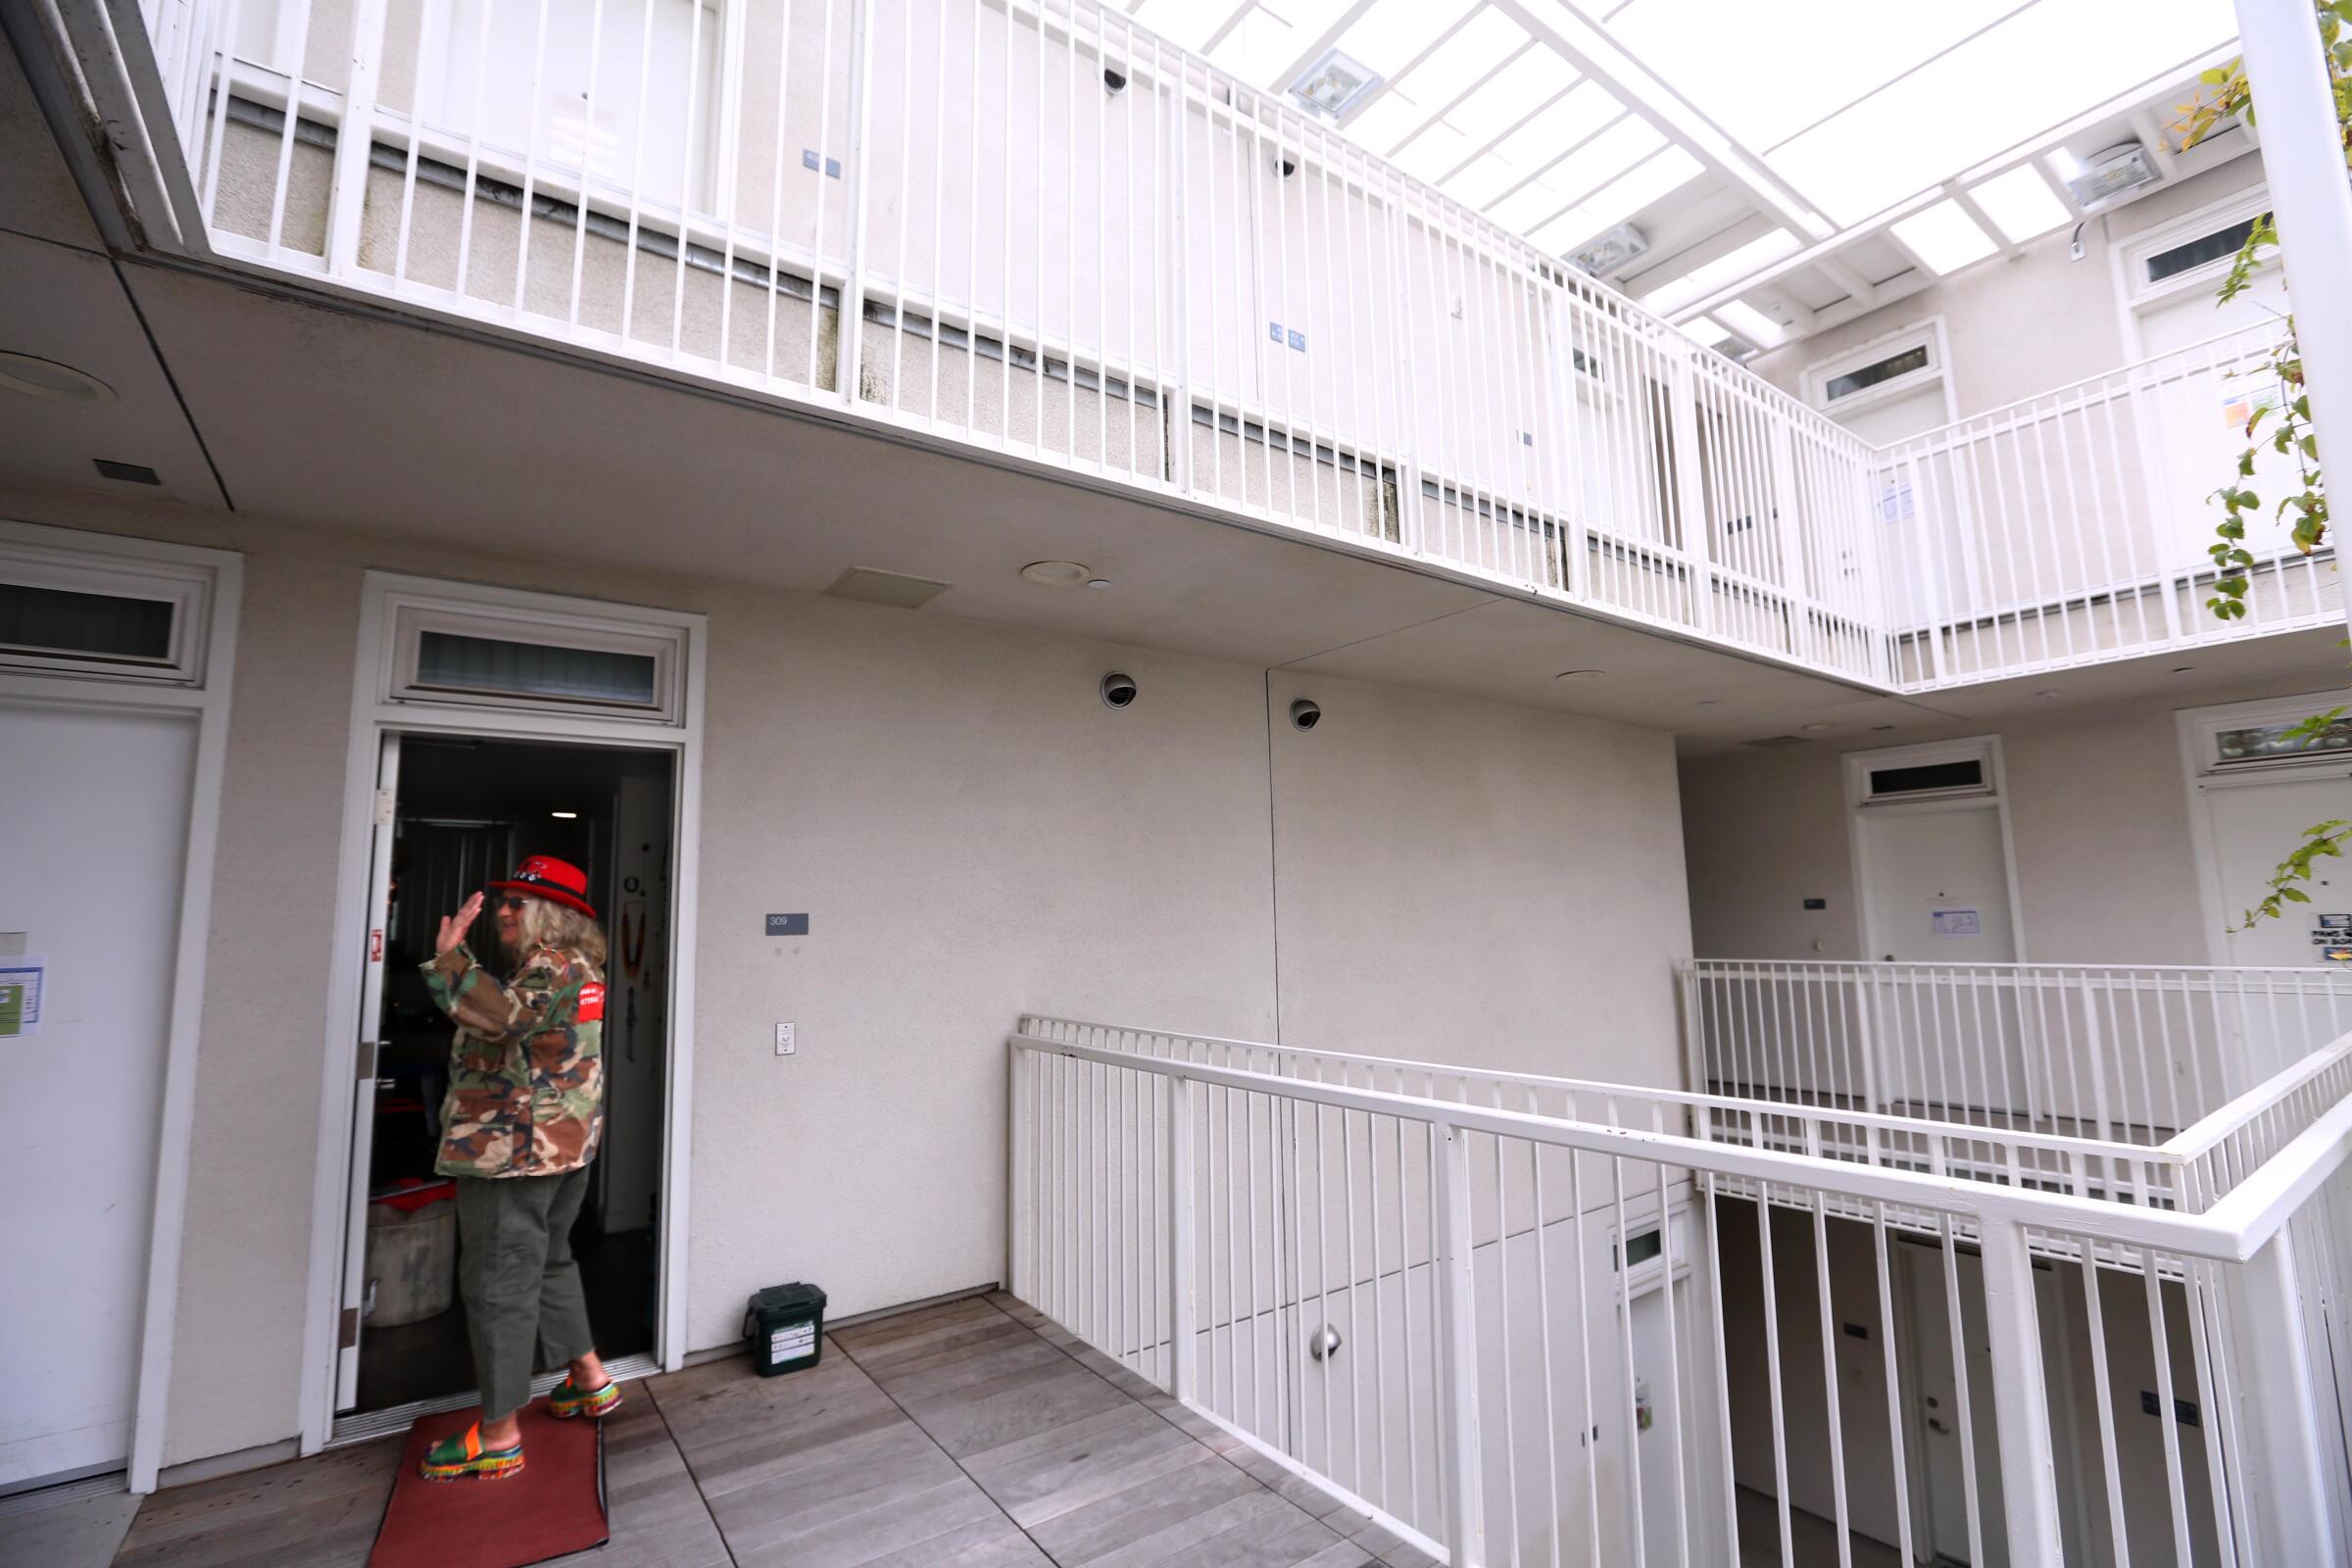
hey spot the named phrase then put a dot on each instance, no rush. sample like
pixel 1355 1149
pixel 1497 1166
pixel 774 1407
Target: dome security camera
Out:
pixel 1306 714
pixel 1119 691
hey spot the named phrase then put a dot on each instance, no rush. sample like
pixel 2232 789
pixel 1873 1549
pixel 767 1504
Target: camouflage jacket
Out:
pixel 526 1071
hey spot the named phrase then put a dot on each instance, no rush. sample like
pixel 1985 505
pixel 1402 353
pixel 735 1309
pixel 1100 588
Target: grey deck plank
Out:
pixel 75 1533
pixel 972 1434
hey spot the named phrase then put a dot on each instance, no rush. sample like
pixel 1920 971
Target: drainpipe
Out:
pixel 2310 197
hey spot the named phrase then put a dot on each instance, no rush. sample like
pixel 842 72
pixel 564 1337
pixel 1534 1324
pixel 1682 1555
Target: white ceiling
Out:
pixel 1850 141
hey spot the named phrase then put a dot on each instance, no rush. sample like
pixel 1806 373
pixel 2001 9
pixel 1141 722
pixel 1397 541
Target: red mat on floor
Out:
pixel 553 1507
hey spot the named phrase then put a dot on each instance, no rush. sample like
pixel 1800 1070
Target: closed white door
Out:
pixel 93 839
pixel 2254 825
pixel 1937 886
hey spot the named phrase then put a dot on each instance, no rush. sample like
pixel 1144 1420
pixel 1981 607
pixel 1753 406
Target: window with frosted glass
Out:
pixel 59 621
pixel 493 666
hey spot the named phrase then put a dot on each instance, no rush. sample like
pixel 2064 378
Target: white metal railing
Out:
pixel 1056 237
pixel 2072 526
pixel 1509 1335
pixel 2129 1053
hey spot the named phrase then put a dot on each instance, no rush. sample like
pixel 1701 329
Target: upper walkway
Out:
pixel 1070 247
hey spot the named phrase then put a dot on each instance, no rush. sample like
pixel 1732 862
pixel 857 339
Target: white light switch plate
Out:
pixel 784 1043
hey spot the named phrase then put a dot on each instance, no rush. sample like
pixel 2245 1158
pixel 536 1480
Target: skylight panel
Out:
pixel 1753 324
pixel 1717 52
pixel 1428 156
pixel 1261 47
pixel 1393 32
pixel 1944 237
pixel 2041 67
pixel 1560 125
pixel 1752 257
pixel 1187 24
pixel 1527 83
pixel 1484 42
pixel 1606 156
pixel 1618 200
pixel 1486 177
pixel 1530 205
pixel 2020 204
pixel 1389 119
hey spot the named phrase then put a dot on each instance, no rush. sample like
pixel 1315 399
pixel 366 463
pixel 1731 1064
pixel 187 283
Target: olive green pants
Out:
pixel 523 1304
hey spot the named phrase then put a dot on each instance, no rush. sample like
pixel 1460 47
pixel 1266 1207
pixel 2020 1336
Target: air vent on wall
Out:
pixel 894 588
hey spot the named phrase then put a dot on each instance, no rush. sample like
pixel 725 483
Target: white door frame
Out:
pixel 1858 767
pixel 207 698
pixel 374 712
pixel 2198 775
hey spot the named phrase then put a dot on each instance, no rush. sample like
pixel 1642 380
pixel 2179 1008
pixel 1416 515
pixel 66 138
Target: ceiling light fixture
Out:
pixel 2112 174
pixel 564 816
pixel 1580 674
pixel 1816 725
pixel 1097 582
pixel 1055 573
pixel 52 382
pixel 1335 84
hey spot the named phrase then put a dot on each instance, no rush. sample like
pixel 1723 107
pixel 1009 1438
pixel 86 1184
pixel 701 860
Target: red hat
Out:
pixel 543 876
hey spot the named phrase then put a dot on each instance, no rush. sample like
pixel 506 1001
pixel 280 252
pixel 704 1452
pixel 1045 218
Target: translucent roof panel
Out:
pixel 1473 53
pixel 1392 34
pixel 1944 237
pixel 1526 85
pixel 2021 203
pixel 1620 199
pixel 2047 63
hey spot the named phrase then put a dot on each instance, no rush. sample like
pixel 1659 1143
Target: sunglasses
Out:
pixel 509 901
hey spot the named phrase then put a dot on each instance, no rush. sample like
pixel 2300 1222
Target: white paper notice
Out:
pixel 21 984
pixel 1958 923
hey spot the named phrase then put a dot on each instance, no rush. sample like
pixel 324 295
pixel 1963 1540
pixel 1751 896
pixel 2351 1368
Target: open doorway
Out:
pixel 455 811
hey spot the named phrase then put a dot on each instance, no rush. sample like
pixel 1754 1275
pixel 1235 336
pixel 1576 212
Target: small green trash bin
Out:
pixel 785 1325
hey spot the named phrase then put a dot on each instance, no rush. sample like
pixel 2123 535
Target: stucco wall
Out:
pixel 2098 812
pixel 2024 326
pixel 974 833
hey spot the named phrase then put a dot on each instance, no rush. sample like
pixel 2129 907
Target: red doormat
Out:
pixel 555 1507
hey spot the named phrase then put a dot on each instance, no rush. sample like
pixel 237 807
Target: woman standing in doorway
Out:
pixel 523 1115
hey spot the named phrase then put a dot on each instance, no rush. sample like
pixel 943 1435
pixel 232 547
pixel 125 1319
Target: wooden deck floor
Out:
pixel 972 1434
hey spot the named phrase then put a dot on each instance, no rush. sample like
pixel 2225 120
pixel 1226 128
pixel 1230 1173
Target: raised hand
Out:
pixel 455 926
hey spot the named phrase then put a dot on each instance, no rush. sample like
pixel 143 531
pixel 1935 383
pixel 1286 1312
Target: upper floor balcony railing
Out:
pixel 1055 237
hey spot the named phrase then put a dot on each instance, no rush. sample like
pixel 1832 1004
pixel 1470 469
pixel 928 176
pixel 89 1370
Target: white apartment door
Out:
pixel 1940 1431
pixel 1935 890
pixel 2254 823
pixel 368 1038
pixel 93 842
pixel 1937 887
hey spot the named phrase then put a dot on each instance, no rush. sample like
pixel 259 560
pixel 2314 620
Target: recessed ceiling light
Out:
pixel 52 382
pixel 1816 725
pixel 564 816
pixel 1580 674
pixel 1056 573
pixel 2182 669
pixel 1097 582
pixel 1707 701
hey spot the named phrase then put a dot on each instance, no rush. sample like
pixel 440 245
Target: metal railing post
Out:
pixel 1457 1353
pixel 2020 1394
pixel 1689 487
pixel 849 319
pixel 1020 1135
pixel 1179 413
pixel 355 137
pixel 1183 1371
pixel 2282 1473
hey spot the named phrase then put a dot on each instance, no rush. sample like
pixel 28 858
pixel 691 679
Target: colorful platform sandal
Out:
pixel 566 1401
pixel 460 1457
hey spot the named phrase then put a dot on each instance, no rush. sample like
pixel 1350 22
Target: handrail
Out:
pixel 2169 1230
pixel 2210 1130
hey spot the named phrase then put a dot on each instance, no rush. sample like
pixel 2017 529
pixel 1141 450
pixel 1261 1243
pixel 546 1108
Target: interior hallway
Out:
pixel 972 1434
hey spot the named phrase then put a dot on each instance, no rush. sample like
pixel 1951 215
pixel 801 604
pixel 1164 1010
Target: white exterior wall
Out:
pixel 972 834
pixel 2022 326
pixel 2098 811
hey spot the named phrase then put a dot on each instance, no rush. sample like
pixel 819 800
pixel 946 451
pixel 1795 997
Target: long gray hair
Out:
pixel 547 924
